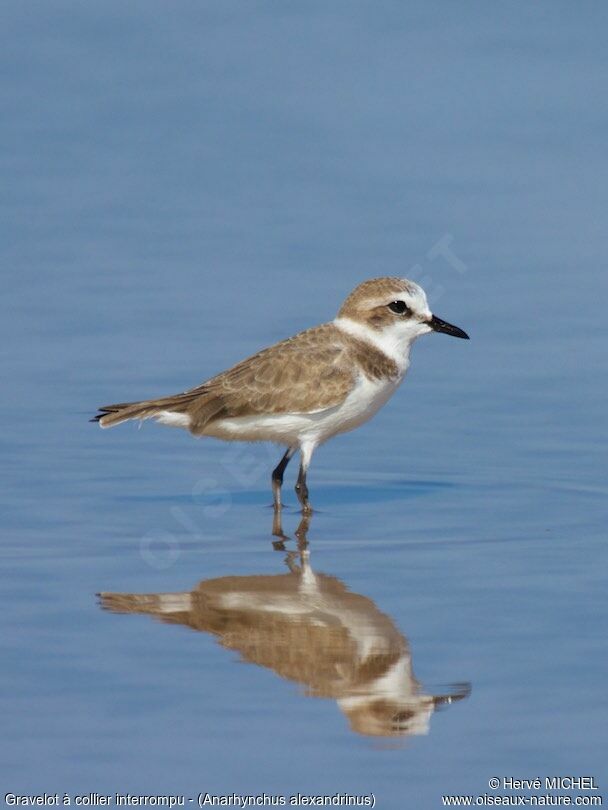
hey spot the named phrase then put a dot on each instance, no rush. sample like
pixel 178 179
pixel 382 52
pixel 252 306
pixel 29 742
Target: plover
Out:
pixel 302 391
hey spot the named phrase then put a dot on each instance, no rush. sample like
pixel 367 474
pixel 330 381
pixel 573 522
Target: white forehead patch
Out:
pixel 415 298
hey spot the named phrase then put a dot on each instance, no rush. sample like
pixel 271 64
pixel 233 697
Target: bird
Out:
pixel 304 390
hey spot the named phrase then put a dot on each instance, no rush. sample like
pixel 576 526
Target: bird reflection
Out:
pixel 308 628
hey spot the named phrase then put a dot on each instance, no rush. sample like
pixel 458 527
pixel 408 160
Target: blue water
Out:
pixel 185 183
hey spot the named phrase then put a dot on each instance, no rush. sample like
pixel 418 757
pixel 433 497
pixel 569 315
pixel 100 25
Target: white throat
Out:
pixel 390 341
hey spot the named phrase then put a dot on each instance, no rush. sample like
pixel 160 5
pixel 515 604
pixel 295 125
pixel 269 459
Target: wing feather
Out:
pixel 307 373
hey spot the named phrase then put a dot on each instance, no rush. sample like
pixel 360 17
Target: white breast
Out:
pixel 365 400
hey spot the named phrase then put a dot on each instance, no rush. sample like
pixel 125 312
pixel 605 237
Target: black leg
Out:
pixel 302 491
pixel 277 477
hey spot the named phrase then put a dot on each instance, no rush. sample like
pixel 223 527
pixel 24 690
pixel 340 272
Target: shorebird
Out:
pixel 302 391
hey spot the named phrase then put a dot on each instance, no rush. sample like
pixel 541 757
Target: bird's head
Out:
pixel 396 309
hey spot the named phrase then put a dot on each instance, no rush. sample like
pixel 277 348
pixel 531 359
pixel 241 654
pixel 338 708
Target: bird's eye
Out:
pixel 399 307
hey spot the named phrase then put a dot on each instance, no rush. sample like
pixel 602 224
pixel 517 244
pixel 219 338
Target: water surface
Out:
pixel 186 184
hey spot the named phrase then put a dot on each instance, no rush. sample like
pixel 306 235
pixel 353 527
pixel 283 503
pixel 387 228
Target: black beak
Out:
pixel 458 691
pixel 442 326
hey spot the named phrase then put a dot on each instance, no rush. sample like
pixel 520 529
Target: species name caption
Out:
pixel 203 800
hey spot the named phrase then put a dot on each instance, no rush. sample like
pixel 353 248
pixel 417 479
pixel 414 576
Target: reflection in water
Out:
pixel 308 628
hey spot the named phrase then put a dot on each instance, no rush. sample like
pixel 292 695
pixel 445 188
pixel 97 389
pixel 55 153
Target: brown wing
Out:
pixel 306 373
